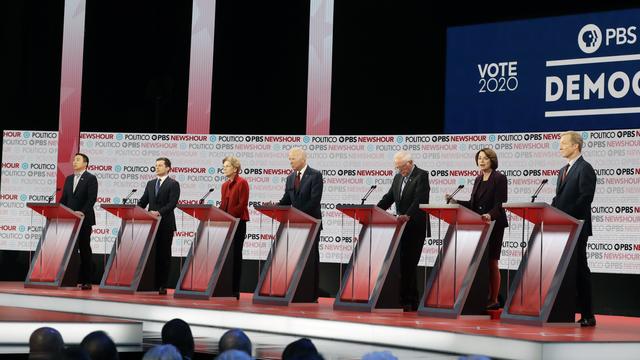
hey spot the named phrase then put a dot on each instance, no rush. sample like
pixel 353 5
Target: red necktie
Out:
pixel 296 183
pixel 564 174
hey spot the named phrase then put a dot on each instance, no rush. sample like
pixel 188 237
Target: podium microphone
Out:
pixel 460 187
pixel 201 201
pixel 535 194
pixel 126 198
pixel 373 187
pixel 53 195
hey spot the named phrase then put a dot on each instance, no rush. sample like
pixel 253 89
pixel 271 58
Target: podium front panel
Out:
pixel 124 262
pixel 210 245
pixel 543 259
pixel 373 245
pixel 289 245
pixel 457 257
pixel 51 250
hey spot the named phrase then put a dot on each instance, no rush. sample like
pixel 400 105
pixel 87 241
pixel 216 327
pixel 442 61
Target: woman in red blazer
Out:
pixel 489 192
pixel 235 201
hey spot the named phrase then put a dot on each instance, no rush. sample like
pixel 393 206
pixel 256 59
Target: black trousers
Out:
pixel 83 244
pixel 411 244
pixel 163 241
pixel 238 243
pixel 583 277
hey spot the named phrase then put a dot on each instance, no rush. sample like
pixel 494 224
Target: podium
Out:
pixel 453 289
pixel 49 265
pixel 365 285
pixel 127 264
pixel 208 270
pixel 537 295
pixel 280 276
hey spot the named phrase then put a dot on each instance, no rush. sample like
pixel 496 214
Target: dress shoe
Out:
pixel 588 321
pixel 85 286
pixel 162 291
pixel 410 307
pixel 494 306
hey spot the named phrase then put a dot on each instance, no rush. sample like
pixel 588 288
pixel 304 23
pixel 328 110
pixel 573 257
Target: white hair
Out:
pixel 403 156
pixel 297 150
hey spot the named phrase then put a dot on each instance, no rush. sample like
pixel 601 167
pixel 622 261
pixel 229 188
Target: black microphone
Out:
pixel 201 201
pixel 124 201
pixel 460 187
pixel 535 194
pixel 53 195
pixel 373 187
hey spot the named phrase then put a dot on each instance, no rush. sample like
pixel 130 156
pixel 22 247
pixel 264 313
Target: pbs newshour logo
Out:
pixel 590 37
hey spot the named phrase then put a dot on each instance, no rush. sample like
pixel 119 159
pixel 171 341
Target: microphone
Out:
pixel 53 195
pixel 460 187
pixel 373 187
pixel 535 194
pixel 124 201
pixel 201 201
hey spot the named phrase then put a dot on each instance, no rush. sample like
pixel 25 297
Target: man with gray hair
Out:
pixel 303 191
pixel 575 188
pixel 409 189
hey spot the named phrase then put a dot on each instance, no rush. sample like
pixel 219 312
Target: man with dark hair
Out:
pixel 162 194
pixel 300 349
pixel 79 193
pixel 45 343
pixel 235 339
pixel 99 346
pixel 178 333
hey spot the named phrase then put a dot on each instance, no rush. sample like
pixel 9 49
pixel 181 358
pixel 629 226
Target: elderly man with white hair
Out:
pixel 409 189
pixel 303 191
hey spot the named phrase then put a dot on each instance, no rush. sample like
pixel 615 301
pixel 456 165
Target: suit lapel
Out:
pixel 484 188
pixel 409 183
pixel 572 172
pixel 78 184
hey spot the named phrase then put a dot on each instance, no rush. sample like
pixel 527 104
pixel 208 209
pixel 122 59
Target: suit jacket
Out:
pixel 235 198
pixel 307 198
pixel 489 201
pixel 164 202
pixel 84 198
pixel 416 192
pixel 575 194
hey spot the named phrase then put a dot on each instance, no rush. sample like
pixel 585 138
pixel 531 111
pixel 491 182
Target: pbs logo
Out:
pixel 589 38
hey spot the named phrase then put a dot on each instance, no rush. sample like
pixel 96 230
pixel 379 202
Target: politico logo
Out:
pixel 589 38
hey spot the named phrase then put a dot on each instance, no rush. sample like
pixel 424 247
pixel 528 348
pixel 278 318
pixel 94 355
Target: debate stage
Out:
pixel 615 337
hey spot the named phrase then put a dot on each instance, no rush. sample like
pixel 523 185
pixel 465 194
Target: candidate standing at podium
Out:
pixel 162 194
pixel 79 194
pixel 488 194
pixel 235 201
pixel 575 189
pixel 303 191
pixel 409 189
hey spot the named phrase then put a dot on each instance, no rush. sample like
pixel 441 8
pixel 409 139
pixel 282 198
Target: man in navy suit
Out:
pixel 409 189
pixel 303 191
pixel 79 194
pixel 162 194
pixel 574 193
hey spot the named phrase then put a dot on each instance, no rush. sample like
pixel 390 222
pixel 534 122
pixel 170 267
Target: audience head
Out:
pixel 45 343
pixel 178 333
pixel 99 346
pixel 300 349
pixel 234 355
pixel 235 339
pixel 163 352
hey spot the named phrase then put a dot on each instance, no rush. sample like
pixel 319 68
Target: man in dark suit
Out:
pixel 79 194
pixel 574 193
pixel 409 189
pixel 162 194
pixel 303 191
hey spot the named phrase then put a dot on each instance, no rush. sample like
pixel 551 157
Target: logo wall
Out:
pixel 350 165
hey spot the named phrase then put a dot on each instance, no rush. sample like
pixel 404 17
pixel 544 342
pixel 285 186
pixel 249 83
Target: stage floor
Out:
pixel 614 338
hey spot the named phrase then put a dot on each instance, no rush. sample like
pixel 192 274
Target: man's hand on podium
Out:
pixel 486 218
pixel 449 199
pixel 155 213
pixel 79 213
pixel 403 218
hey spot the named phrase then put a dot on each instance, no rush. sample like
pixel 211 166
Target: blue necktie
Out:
pixel 157 186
